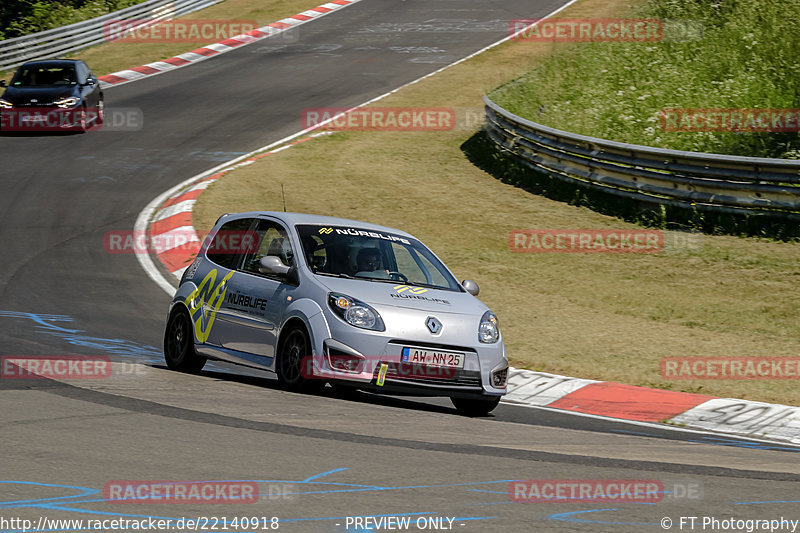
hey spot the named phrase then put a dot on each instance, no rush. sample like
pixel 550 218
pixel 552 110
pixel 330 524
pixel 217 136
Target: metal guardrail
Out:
pixel 702 181
pixel 60 41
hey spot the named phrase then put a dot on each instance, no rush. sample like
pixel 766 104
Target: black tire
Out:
pixel 179 352
pixel 82 125
pixel 295 352
pixel 475 407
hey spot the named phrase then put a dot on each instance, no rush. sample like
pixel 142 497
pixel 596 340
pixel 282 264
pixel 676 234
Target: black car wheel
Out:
pixel 179 352
pixel 100 109
pixel 294 352
pixel 81 120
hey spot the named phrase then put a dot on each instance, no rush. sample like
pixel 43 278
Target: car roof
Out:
pixel 52 62
pixel 305 218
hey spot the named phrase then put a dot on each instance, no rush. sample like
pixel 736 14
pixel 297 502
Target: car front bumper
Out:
pixel 373 360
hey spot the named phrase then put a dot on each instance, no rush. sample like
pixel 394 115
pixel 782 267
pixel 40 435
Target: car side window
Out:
pixel 231 241
pixel 87 73
pixel 272 239
pixel 80 71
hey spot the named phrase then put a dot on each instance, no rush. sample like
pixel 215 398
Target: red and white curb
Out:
pixel 210 50
pixel 756 420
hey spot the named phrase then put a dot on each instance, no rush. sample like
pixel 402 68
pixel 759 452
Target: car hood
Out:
pixel 397 294
pixel 44 95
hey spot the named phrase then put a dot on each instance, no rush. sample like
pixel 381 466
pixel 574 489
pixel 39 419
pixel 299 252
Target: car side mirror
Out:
pixel 2 83
pixel 270 264
pixel 90 82
pixel 471 287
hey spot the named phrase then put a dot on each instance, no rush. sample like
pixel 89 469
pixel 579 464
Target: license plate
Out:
pixel 433 357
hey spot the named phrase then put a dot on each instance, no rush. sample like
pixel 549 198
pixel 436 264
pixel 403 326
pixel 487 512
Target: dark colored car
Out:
pixel 52 95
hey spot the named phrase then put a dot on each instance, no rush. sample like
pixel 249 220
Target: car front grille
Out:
pixel 47 105
pixel 429 375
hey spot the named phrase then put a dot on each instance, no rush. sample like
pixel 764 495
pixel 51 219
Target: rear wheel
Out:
pixel 293 354
pixel 476 406
pixel 179 352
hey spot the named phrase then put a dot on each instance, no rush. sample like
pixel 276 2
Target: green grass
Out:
pixel 747 57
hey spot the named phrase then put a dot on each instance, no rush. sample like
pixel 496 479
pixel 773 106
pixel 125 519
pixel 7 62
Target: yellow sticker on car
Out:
pixel 382 374
pixel 206 293
pixel 411 290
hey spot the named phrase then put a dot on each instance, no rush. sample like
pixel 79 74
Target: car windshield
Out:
pixel 45 76
pixel 372 255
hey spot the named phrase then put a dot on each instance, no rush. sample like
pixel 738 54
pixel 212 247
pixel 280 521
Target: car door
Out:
pixel 255 303
pixel 212 277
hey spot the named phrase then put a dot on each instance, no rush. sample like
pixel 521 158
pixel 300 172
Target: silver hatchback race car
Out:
pixel 318 299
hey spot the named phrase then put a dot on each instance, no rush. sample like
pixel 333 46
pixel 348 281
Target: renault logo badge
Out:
pixel 433 325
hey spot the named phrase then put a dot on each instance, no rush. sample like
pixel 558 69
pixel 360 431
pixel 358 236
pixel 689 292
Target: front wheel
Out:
pixel 82 120
pixel 179 352
pixel 476 406
pixel 100 113
pixel 294 352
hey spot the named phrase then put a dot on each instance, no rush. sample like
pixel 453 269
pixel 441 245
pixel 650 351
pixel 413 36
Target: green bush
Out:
pixel 748 56
pixel 22 17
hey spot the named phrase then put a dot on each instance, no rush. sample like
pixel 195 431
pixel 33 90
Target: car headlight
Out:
pixel 488 331
pixel 69 101
pixel 5 104
pixel 355 312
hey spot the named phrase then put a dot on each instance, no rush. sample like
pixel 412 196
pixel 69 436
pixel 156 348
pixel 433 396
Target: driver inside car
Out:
pixel 369 264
